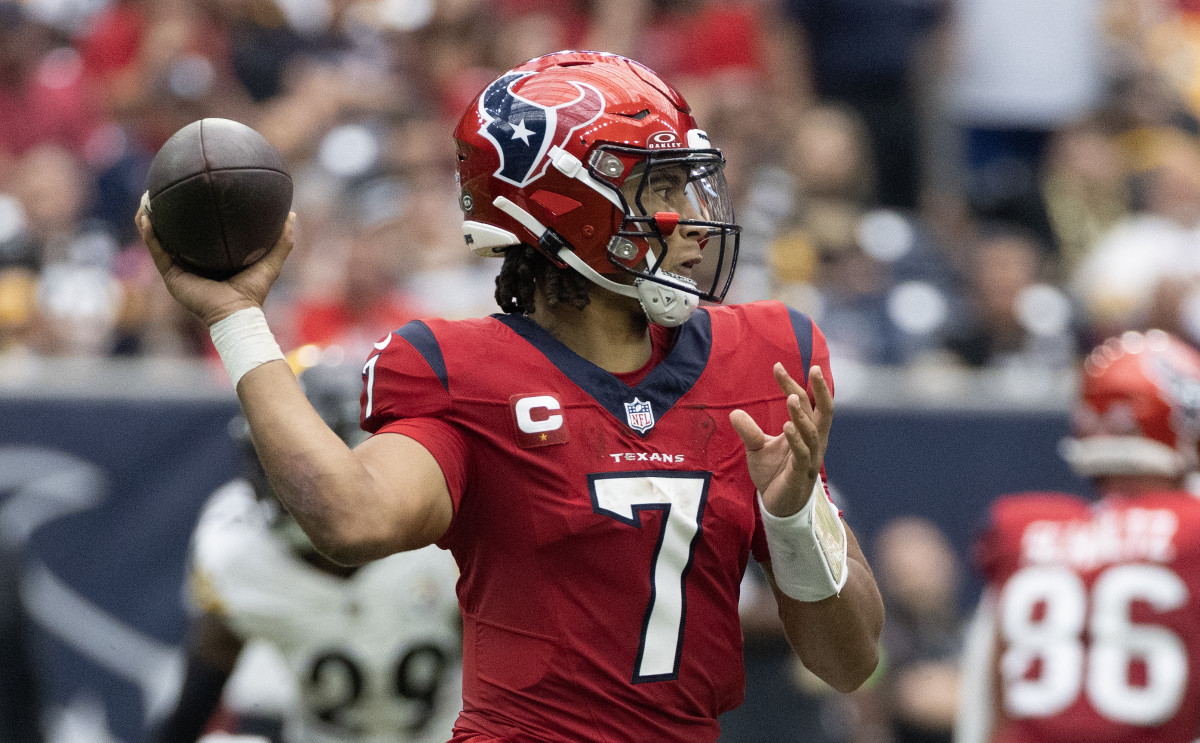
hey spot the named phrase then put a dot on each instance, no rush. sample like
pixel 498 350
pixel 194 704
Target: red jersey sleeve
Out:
pixel 405 377
pixel 406 391
pixel 446 445
pixel 758 543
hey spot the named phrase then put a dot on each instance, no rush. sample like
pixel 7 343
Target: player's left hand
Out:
pixel 785 467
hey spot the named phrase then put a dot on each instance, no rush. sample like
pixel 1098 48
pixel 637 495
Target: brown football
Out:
pixel 218 196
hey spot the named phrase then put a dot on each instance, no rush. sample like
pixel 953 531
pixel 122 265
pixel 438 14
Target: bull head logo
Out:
pixel 523 131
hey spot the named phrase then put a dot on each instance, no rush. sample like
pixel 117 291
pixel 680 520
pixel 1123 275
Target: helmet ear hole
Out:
pixel 623 249
pixel 608 165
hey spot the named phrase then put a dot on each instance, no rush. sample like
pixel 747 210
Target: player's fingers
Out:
pixel 256 279
pixel 797 439
pixel 747 430
pixel 805 437
pixel 789 385
pixel 275 258
pixel 823 398
pixel 283 246
pixel 162 261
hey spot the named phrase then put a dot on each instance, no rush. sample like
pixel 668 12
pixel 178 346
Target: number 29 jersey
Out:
pixel 1097 617
pixel 601 528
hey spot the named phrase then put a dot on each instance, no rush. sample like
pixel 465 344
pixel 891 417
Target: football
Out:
pixel 218 195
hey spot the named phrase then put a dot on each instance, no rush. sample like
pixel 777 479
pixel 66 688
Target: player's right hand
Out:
pixel 215 300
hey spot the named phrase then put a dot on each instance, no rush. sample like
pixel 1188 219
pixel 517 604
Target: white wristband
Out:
pixel 243 342
pixel 808 548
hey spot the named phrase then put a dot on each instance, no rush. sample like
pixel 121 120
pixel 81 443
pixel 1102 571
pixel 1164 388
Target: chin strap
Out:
pixel 663 303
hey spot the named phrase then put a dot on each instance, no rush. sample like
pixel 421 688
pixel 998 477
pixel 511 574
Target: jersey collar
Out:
pixel 662 387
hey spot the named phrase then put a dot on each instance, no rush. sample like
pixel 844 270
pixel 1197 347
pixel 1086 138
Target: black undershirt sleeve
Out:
pixel 198 700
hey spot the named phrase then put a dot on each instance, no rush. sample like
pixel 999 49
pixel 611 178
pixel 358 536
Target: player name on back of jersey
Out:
pixel 1136 534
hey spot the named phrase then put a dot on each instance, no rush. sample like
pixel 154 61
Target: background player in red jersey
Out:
pixel 1089 625
pixel 603 458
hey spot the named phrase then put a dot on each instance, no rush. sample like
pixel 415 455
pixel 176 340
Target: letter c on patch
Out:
pixel 525 421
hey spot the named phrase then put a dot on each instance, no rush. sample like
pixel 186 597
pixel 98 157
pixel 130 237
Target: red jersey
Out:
pixel 1097 617
pixel 601 529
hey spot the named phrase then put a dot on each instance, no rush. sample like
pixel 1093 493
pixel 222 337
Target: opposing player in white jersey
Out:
pixel 375 650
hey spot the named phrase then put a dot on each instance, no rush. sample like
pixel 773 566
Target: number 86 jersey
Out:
pixel 1096 617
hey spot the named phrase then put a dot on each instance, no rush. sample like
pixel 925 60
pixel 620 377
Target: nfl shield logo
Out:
pixel 639 415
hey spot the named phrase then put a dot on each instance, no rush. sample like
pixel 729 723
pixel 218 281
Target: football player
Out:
pixel 1088 628
pixel 376 650
pixel 603 457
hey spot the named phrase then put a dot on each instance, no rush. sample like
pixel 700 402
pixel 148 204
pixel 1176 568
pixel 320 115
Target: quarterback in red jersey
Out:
pixel 1089 625
pixel 603 457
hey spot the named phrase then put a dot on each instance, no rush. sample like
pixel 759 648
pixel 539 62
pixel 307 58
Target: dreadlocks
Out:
pixel 526 271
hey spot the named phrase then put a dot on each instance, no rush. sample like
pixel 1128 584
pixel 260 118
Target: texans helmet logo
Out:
pixel 1182 389
pixel 523 131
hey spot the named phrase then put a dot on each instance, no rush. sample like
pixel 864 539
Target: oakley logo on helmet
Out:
pixel 523 131
pixel 663 140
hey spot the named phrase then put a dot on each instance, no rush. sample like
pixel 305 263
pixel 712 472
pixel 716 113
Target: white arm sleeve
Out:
pixel 976 707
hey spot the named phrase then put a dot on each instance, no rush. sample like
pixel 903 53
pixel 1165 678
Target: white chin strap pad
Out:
pixel 665 305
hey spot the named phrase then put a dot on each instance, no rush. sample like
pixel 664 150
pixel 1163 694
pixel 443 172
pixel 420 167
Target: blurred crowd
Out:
pixel 974 183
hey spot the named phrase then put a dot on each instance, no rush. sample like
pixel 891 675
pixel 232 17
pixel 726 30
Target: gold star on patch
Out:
pixel 543 437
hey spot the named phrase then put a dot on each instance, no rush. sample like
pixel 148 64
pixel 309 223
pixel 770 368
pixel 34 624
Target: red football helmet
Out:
pixel 595 161
pixel 1139 408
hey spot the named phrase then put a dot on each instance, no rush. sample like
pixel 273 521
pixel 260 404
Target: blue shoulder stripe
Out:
pixel 421 338
pixel 802 326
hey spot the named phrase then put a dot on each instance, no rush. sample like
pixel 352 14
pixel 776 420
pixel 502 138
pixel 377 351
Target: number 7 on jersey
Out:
pixel 681 497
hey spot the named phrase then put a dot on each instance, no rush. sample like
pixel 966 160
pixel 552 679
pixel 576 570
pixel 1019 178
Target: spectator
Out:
pixel 44 98
pixel 829 175
pixel 881 280
pixel 915 698
pixel 77 300
pixel 1021 70
pixel 1085 184
pixel 874 56
pixel 353 278
pixel 1116 281
pixel 1012 317
pixel 1155 43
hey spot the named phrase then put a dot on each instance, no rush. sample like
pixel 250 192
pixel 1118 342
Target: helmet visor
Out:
pixel 677 205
